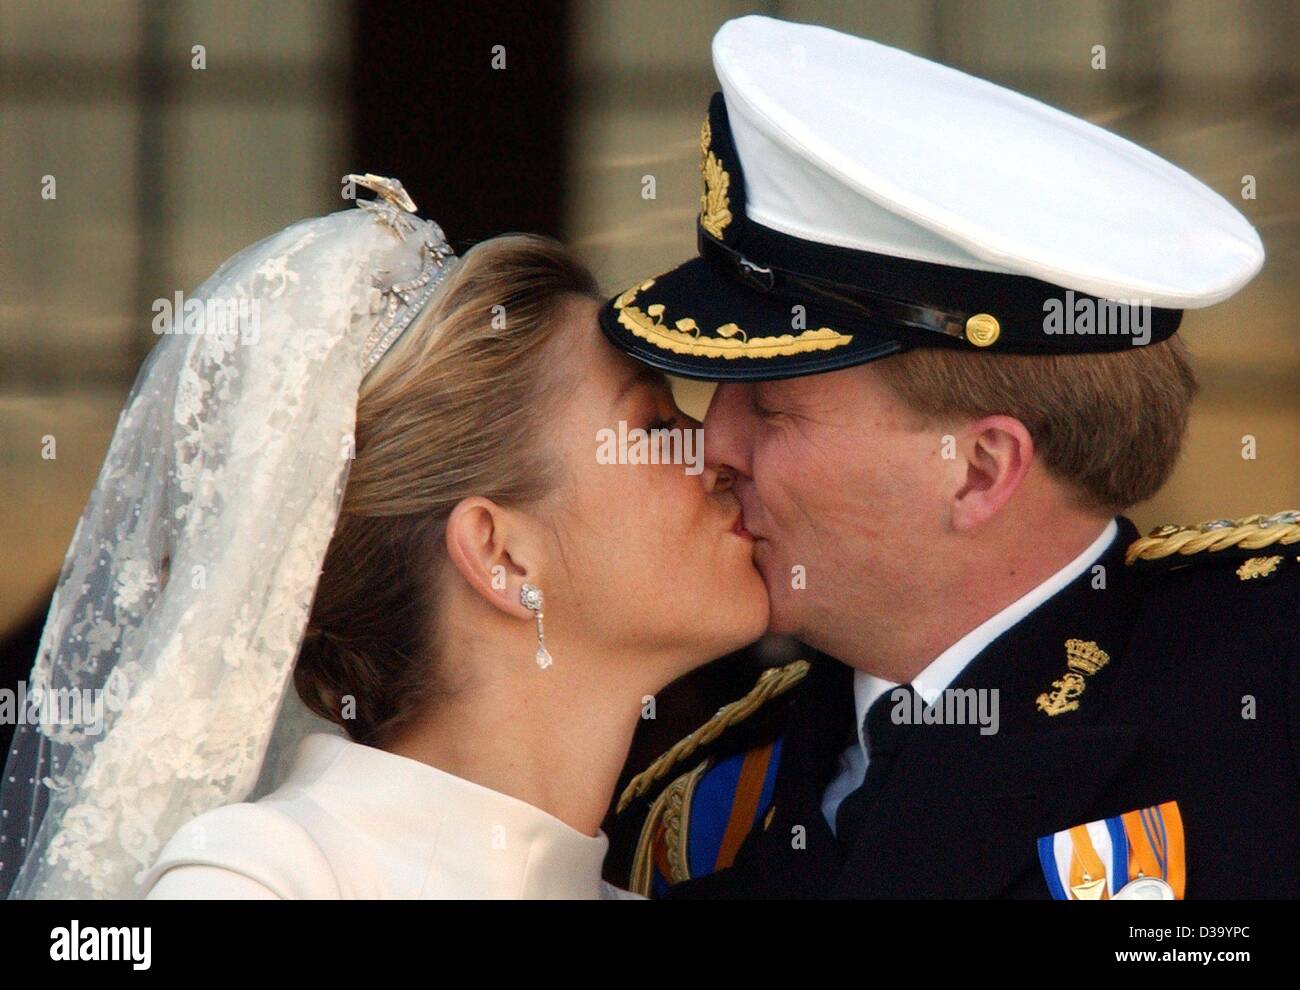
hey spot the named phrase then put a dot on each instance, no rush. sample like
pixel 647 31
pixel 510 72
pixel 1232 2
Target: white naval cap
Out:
pixel 902 203
pixel 850 142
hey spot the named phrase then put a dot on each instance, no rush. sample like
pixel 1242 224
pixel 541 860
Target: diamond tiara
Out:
pixel 403 301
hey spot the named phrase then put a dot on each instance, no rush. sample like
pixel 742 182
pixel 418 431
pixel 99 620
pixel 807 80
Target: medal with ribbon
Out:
pixel 1138 855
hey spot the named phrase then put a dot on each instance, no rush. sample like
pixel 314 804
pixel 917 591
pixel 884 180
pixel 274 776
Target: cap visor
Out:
pixel 699 322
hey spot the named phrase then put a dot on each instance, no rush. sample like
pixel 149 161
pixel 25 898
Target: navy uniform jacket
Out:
pixel 1198 703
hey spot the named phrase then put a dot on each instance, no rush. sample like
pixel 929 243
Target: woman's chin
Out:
pixel 730 614
pixel 746 607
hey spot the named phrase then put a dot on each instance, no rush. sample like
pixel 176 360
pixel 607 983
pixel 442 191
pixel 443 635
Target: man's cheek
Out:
pixel 763 560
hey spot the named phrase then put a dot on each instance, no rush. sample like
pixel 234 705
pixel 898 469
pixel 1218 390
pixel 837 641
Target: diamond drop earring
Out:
pixel 530 596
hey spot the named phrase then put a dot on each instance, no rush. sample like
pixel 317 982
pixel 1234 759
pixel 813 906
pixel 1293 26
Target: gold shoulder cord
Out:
pixel 1248 533
pixel 771 683
pixel 673 808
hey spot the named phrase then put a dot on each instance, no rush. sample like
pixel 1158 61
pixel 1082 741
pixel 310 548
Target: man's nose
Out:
pixel 726 429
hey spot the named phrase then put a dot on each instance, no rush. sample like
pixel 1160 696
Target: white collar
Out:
pixel 943 670
pixel 476 842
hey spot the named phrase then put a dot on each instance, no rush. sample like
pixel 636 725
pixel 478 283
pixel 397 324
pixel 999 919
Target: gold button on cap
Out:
pixel 982 329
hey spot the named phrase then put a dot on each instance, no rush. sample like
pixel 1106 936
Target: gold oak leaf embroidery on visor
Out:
pixel 683 337
pixel 715 212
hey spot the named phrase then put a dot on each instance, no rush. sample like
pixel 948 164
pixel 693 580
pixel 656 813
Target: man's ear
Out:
pixel 994 454
pixel 484 546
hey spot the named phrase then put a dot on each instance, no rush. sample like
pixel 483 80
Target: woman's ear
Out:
pixel 484 545
pixel 994 453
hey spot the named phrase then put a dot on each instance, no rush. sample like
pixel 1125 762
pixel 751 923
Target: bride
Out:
pixel 367 614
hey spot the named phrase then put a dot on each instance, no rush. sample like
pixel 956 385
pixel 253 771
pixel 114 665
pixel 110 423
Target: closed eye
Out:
pixel 764 410
pixel 660 423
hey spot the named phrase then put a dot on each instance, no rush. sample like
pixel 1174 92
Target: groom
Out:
pixel 943 318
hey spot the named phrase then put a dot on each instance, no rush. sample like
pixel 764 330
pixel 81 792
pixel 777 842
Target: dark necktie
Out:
pixel 884 738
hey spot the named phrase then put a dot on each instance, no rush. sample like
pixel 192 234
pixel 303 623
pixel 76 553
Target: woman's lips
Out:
pixel 738 527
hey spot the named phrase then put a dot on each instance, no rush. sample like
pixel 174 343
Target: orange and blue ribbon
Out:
pixel 728 802
pixel 1102 856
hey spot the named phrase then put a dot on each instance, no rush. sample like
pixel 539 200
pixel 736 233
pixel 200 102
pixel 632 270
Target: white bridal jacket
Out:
pixel 352 821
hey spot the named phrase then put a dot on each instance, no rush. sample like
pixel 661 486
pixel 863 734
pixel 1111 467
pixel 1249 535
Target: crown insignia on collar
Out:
pixel 1083 657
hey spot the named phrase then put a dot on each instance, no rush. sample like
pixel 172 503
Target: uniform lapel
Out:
pixel 962 820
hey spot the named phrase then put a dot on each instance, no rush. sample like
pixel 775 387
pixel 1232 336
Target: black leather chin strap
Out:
pixel 1019 309
pixel 831 295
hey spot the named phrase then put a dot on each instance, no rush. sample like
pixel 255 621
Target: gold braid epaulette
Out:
pixel 1248 533
pixel 771 683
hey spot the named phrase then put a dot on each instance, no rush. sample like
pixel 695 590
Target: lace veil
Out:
pixel 162 687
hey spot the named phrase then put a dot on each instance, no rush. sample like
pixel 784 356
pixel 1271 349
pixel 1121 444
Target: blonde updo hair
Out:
pixel 457 408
